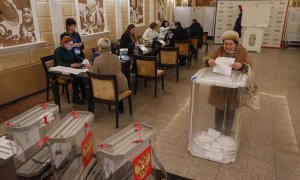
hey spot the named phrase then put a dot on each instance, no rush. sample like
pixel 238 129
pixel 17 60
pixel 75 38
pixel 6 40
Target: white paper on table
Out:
pixel 214 156
pixel 213 133
pixel 67 70
pixel 85 61
pixel 59 152
pixel 205 138
pixel 223 65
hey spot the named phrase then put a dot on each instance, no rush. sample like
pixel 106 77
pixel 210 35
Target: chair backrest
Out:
pixel 47 62
pixel 195 42
pixel 104 87
pixel 115 47
pixel 168 55
pixel 184 47
pixel 146 65
pixel 205 37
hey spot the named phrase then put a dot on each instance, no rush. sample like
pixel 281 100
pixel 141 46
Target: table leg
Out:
pixel 88 93
pixel 55 89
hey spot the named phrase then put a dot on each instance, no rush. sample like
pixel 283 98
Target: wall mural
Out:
pixel 17 23
pixel 161 10
pixel 136 12
pixel 91 16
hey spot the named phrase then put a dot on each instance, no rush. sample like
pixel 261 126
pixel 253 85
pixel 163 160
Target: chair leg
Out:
pixel 177 73
pixel 162 83
pixel 109 107
pixel 136 81
pixel 145 83
pixel 130 104
pixel 63 89
pixel 93 106
pixel 67 93
pixel 155 87
pixel 117 114
pixel 206 49
pixel 188 62
pixel 48 88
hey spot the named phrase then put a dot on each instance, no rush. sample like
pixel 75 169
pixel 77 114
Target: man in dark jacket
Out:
pixel 179 34
pixel 196 31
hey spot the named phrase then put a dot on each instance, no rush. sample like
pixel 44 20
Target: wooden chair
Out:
pixel 168 57
pixel 184 50
pixel 105 90
pixel 146 68
pixel 205 38
pixel 139 38
pixel 48 62
pixel 195 46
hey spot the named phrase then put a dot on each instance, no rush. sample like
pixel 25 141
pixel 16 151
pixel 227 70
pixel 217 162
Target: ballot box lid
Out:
pixel 126 142
pixel 31 118
pixel 206 76
pixel 70 126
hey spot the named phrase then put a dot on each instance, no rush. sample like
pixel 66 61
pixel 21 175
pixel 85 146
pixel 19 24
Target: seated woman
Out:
pixel 109 64
pixel 179 34
pixel 164 28
pixel 128 36
pixel 224 98
pixel 151 33
pixel 65 56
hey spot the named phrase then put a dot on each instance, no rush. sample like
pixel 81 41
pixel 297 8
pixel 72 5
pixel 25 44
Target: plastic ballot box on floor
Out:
pixel 215 114
pixel 25 132
pixel 130 154
pixel 71 147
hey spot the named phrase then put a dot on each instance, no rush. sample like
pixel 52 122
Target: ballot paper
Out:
pixel 205 138
pixel 223 65
pixel 213 133
pixel 85 61
pixel 214 156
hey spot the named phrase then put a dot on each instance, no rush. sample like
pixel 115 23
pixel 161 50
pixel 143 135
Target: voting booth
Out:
pixel 130 154
pixel 25 132
pixel 215 114
pixel 71 147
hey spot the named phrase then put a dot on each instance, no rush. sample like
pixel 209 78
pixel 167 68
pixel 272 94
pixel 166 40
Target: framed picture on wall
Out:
pixel 136 12
pixel 161 10
pixel 91 16
pixel 18 23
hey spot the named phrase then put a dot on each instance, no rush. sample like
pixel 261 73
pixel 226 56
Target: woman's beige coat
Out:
pixel 109 64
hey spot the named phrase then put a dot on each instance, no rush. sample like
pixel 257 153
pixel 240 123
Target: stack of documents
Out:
pixel 214 146
pixel 5 148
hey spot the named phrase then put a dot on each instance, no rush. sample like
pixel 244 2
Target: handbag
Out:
pixel 251 97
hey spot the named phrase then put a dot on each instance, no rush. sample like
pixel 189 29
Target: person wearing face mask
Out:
pixel 128 36
pixel 65 56
pixel 70 31
pixel 220 97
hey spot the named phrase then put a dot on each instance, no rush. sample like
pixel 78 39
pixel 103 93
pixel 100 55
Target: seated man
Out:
pixel 109 64
pixel 64 56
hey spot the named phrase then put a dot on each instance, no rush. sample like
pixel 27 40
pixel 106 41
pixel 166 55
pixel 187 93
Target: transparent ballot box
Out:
pixel 215 115
pixel 130 154
pixel 71 147
pixel 25 132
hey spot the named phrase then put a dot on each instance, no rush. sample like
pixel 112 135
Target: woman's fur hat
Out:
pixel 230 35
